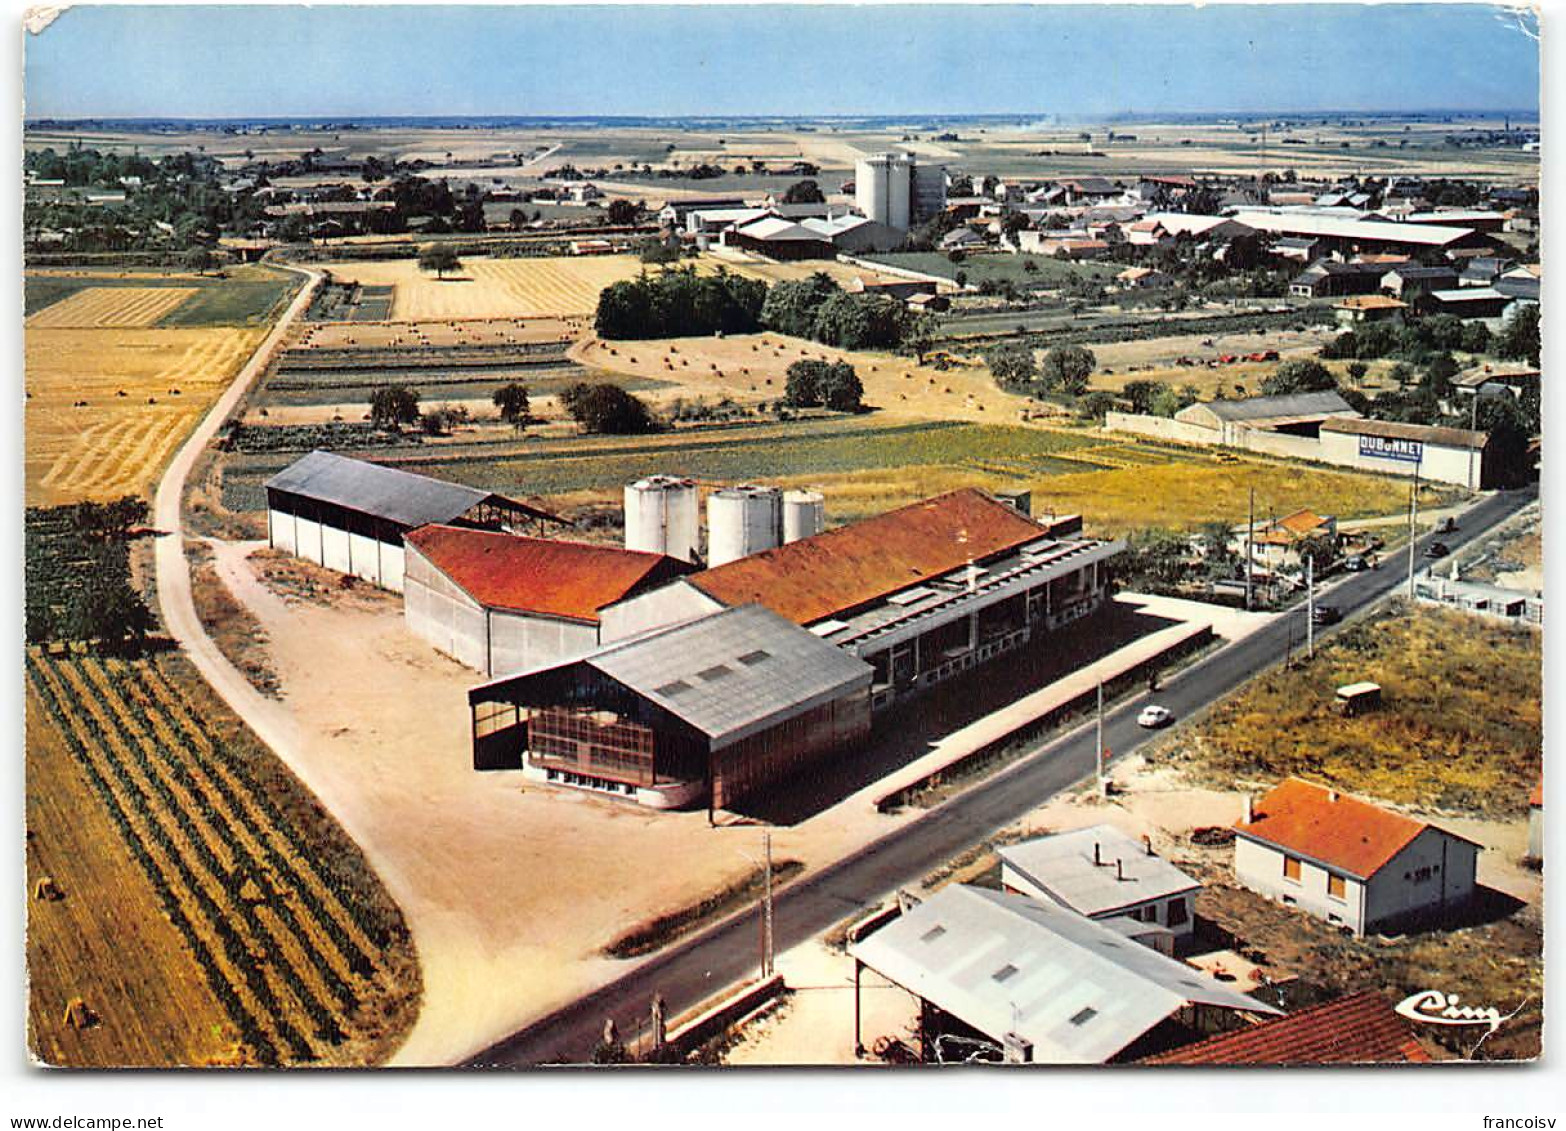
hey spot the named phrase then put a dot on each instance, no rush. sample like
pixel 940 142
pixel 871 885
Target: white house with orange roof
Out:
pixel 1349 862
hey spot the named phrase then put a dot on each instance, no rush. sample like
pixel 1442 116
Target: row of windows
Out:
pixel 1337 887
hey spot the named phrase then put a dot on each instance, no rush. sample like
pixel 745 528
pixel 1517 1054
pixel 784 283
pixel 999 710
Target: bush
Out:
pixel 833 384
pixel 607 409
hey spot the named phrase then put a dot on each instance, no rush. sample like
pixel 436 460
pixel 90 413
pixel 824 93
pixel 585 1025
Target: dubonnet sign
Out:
pixel 1385 447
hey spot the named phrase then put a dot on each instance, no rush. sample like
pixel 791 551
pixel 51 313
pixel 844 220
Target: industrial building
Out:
pixel 1295 414
pixel 1349 862
pixel 1439 454
pixel 502 603
pixel 922 593
pixel 896 190
pixel 716 707
pixel 1010 978
pixel 351 516
pixel 1102 873
pixel 1353 234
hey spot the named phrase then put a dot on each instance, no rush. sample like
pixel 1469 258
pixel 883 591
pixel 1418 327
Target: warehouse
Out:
pixel 1443 455
pixel 349 515
pixel 502 603
pixel 922 593
pixel 1350 234
pixel 1297 414
pixel 720 707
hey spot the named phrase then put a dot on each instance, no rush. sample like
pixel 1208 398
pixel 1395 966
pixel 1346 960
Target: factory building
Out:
pixel 501 603
pixel 896 190
pixel 921 594
pixel 717 707
pixel 351 516
pixel 1444 455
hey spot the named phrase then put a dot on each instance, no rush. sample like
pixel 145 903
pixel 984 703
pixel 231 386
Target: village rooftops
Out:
pixel 1096 871
pixel 1397 430
pixel 1359 1029
pixel 569 580
pixel 1340 833
pixel 1080 992
pixel 1292 528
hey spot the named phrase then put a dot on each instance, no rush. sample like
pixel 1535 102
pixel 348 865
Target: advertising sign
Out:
pixel 1385 447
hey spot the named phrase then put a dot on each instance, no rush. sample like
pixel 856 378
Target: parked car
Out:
pixel 1437 550
pixel 1326 614
pixel 1354 563
pixel 1154 716
pixel 1448 525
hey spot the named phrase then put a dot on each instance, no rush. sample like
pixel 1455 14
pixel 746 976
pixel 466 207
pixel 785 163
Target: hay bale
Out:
pixel 79 1015
pixel 47 890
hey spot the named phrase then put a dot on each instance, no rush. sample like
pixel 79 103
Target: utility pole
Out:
pixel 1310 604
pixel 1250 527
pixel 1413 529
pixel 766 914
pixel 1473 426
pixel 1098 744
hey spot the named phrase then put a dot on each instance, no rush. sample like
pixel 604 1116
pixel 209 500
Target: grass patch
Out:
pixel 249 296
pixel 1460 728
pixel 657 933
pixel 233 628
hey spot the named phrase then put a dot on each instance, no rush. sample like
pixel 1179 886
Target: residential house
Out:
pixel 1350 862
pixel 1329 278
pixel 1361 310
pixel 1408 281
pixel 1277 543
pixel 1139 277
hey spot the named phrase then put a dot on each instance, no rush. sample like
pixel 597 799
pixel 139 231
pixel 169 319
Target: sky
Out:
pixel 645 60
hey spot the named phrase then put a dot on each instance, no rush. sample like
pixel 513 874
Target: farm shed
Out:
pixel 351 516
pixel 1102 873
pixel 720 707
pixel 1032 982
pixel 922 593
pixel 1299 414
pixel 1349 862
pixel 503 603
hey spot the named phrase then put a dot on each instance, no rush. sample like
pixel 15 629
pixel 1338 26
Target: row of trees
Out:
pixel 680 303
pixel 603 408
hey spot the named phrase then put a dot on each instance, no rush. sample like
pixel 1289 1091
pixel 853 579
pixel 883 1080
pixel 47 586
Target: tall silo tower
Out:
pixel 742 521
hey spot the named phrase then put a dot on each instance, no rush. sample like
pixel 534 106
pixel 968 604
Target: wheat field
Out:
pixel 99 308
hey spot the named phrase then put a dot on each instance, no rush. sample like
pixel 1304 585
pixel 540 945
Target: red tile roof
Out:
pixel 1358 1029
pixel 1536 798
pixel 855 565
pixel 538 575
pixel 1330 828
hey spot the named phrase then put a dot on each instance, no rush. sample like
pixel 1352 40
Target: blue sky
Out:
pixel 114 61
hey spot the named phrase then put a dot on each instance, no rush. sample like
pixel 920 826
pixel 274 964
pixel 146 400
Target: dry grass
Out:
pixel 492 288
pixel 1460 728
pixel 234 628
pixel 106 308
pixel 143 390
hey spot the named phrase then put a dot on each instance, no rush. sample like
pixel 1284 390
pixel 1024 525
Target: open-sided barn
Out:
pixel 351 516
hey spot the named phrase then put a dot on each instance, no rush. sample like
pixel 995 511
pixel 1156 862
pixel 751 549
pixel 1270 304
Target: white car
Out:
pixel 1155 716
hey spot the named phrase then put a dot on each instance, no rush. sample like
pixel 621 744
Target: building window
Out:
pixel 1421 875
pixel 1291 868
pixel 1177 914
pixel 1336 887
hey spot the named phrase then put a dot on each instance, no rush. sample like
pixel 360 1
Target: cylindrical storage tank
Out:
pixel 661 516
pixel 804 514
pixel 899 192
pixel 870 187
pixel 742 521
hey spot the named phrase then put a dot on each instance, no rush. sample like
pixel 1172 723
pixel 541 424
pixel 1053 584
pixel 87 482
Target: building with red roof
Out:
pixel 1359 1029
pixel 502 603
pixel 1349 862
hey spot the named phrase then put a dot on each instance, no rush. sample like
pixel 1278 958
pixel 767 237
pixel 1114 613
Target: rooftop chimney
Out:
pixel 1247 817
pixel 1147 843
pixel 1096 860
pixel 1120 869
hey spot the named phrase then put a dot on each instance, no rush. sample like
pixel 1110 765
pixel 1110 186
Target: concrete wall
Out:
pixel 1260 868
pixel 1160 428
pixel 379 563
pixel 677 601
pixel 518 643
pixel 1536 832
pixel 1403 889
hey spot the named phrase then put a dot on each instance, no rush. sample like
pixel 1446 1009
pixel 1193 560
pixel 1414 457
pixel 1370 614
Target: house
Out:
pixel 1026 981
pixel 1277 543
pixel 1329 278
pixel 1148 233
pixel 1410 280
pixel 1486 379
pixel 1138 277
pixel 1483 270
pixel 502 603
pixel 1349 862
pixel 1470 302
pixel 1297 248
pixel 1361 310
pixel 1361 1028
pixel 1102 873
pixel 962 239
pixel 1067 247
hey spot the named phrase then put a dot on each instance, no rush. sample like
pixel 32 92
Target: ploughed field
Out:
pixel 188 892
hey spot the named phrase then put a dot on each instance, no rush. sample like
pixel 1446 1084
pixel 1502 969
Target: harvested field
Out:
pixel 106 408
pixel 277 915
pixel 107 308
pixel 492 288
pixel 449 332
pixel 1460 728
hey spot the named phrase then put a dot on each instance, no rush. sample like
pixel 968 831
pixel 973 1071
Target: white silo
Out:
pixel 662 516
pixel 899 191
pixel 742 521
pixel 804 514
pixel 871 175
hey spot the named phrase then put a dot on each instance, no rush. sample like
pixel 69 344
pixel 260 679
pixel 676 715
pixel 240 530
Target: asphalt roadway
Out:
pixel 694 971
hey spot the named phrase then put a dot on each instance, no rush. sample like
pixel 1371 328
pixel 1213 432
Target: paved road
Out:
pixel 726 953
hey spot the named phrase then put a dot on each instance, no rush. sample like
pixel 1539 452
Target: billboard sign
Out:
pixel 1385 447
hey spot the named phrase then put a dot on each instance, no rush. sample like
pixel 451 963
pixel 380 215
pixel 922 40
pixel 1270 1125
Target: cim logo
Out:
pixel 1384 447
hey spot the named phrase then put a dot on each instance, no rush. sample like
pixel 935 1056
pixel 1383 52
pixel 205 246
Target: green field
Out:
pixel 246 296
pixel 433 386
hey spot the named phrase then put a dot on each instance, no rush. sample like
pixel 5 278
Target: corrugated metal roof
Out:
pixel 1080 991
pixel 1330 828
pixel 1262 408
pixel 1397 430
pixel 851 566
pixel 1064 866
pixel 730 674
pixel 397 496
pixel 1359 1029
pixel 539 575
pixel 1314 224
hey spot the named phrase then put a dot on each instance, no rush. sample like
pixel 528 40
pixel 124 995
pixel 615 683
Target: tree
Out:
pixel 790 307
pixel 1437 380
pixel 1357 371
pixel 623 213
pixel 1299 375
pixel 107 610
pixel 392 406
pixel 1519 336
pixel 802 387
pixel 1067 368
pixel 1096 405
pixel 512 401
pixel 1012 365
pixel 439 258
pixel 841 389
pixel 1142 394
pixel 1321 549
pixel 606 409
pixel 199 259
pixel 804 192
